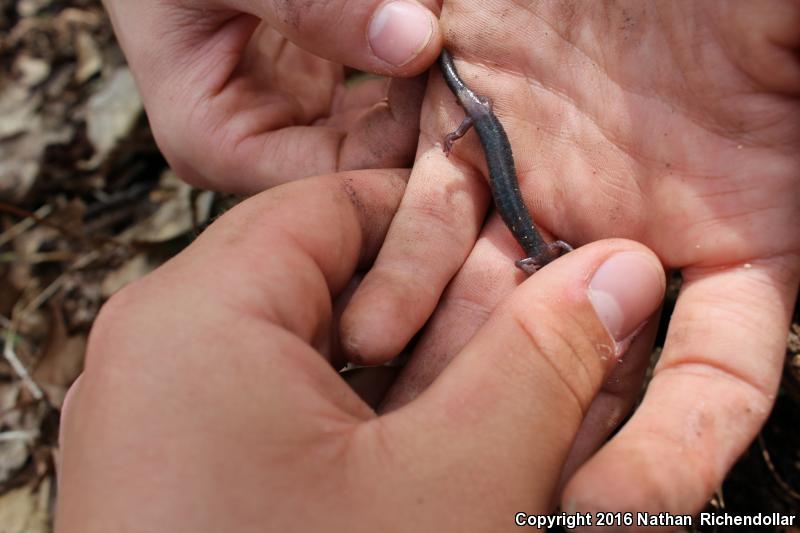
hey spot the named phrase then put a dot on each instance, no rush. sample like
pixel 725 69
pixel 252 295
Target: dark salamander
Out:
pixel 502 174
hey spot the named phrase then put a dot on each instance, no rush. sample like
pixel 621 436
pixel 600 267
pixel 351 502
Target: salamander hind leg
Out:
pixel 530 265
pixel 450 138
pixel 559 248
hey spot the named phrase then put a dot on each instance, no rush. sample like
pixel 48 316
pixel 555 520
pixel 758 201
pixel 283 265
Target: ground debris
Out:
pixel 87 205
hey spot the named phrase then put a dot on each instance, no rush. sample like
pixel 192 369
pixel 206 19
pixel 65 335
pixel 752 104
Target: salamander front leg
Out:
pixel 530 265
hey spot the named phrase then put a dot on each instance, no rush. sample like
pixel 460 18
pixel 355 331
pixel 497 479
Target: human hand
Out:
pixel 208 402
pixel 676 125
pixel 241 95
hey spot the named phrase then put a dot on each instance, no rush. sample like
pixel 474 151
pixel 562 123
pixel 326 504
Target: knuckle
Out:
pixel 439 217
pixel 113 325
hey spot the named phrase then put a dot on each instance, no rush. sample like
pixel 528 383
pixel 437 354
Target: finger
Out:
pixel 308 233
pixel 711 392
pixel 486 278
pixel 508 407
pixel 614 401
pixel 396 37
pixel 439 218
pixel 434 230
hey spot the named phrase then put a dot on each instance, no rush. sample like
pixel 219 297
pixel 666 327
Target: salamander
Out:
pixel 502 173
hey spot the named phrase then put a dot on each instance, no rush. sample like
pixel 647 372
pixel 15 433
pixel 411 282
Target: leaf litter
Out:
pixel 87 205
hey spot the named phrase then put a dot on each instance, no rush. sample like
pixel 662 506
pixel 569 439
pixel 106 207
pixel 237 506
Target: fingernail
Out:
pixel 624 292
pixel 399 30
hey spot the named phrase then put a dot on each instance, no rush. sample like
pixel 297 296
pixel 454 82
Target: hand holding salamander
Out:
pixel 502 173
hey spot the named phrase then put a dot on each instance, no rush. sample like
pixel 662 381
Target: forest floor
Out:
pixel 88 204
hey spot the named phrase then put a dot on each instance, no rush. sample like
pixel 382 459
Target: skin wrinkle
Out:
pixel 735 58
pixel 546 356
pixel 197 107
pixel 782 262
pixel 587 151
pixel 737 187
pixel 707 304
pixel 715 218
pixel 700 469
pixel 709 127
pixel 233 52
pixel 582 363
pixel 194 42
pixel 713 370
pixel 470 305
pixel 443 217
pixel 410 289
pixel 614 140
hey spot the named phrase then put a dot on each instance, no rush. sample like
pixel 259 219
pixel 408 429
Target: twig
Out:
pixel 18 367
pixel 11 436
pixel 51 289
pixel 24 225
pixel 774 471
pixel 35 258
pixel 82 237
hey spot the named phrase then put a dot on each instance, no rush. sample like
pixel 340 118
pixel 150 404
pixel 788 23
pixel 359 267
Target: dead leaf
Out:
pixel 89 59
pixel 17 107
pixel 174 216
pixel 31 71
pixel 111 113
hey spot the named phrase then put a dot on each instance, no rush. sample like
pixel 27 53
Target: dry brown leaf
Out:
pixel 18 109
pixel 31 71
pixel 174 216
pixel 111 113
pixel 89 59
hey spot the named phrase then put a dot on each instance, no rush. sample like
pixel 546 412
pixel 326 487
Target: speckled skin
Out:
pixel 502 173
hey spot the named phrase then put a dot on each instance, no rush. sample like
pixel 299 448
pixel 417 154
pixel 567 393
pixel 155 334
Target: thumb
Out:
pixel 394 37
pixel 511 403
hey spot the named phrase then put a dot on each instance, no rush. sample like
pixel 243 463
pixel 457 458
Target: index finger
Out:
pixel 280 256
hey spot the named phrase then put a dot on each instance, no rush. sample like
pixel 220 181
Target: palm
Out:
pixel 623 125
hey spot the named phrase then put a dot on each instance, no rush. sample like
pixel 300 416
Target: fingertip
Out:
pixel 625 290
pixel 374 328
pixel 404 36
